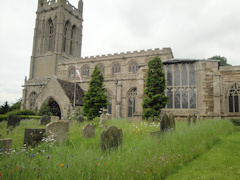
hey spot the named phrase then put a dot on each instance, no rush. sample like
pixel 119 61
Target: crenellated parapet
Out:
pixel 166 52
pixel 47 5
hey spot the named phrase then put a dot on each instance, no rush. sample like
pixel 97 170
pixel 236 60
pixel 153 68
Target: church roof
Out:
pixel 170 61
pixel 68 88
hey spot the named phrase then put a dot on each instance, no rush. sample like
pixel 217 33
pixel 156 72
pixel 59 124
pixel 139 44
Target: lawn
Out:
pixel 141 156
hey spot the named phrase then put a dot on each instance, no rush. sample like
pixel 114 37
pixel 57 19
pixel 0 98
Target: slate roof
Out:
pixel 68 88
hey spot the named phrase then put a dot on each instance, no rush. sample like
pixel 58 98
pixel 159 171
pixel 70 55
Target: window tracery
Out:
pixel 85 71
pixel 233 98
pixel 116 68
pixel 133 67
pixel 181 85
pixel 132 102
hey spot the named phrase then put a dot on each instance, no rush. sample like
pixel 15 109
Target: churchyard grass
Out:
pixel 141 156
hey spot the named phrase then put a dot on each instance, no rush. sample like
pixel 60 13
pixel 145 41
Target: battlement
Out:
pixel 164 51
pixel 47 5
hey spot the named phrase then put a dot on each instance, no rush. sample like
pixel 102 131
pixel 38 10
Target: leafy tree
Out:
pixel 95 98
pixel 223 60
pixel 16 105
pixel 4 108
pixel 44 110
pixel 154 99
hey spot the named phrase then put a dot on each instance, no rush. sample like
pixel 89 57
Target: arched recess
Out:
pixel 49 35
pixel 133 67
pixel 101 67
pixel 85 71
pixel 132 95
pixel 73 41
pixel 66 38
pixel 233 97
pixel 32 100
pixel 54 107
pixel 72 72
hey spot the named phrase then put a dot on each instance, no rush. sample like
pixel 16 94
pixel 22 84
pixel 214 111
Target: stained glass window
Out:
pixel 233 98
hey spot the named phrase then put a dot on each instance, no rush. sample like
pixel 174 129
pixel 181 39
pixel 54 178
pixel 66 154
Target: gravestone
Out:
pixel 59 130
pixel 5 144
pixel 80 118
pixel 164 122
pixel 194 118
pixel 13 121
pixel 54 118
pixel 102 119
pixel 108 116
pixel 45 119
pixel 111 138
pixel 88 131
pixel 172 121
pixel 33 137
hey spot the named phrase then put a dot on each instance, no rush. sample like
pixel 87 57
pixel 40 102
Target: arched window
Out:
pixel 73 36
pixel 234 98
pixel 116 68
pixel 65 36
pixel 132 102
pixel 133 67
pixel 72 72
pixel 85 72
pixel 32 100
pixel 102 68
pixel 50 36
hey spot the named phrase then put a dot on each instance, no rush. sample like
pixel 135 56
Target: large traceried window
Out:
pixel 234 98
pixel 132 102
pixel 181 85
pixel 72 43
pixel 65 33
pixel 102 68
pixel 72 72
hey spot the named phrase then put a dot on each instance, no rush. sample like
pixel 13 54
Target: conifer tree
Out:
pixel 95 98
pixel 154 99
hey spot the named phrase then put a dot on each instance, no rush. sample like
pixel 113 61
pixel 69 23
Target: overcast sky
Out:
pixel 196 29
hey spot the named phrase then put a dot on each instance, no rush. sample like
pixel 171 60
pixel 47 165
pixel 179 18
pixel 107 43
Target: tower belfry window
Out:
pixel 50 43
pixel 72 39
pixel 65 36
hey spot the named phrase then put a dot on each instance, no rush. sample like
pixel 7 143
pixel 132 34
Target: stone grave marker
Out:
pixel 111 138
pixel 5 144
pixel 80 118
pixel 55 118
pixel 171 121
pixel 88 131
pixel 13 121
pixel 45 119
pixel 194 118
pixel 33 137
pixel 59 130
pixel 164 122
pixel 189 120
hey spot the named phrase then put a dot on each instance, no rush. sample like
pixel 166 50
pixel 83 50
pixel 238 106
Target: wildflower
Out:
pixel 32 155
pixel 96 164
pixel 134 148
pixel 101 157
pixel 151 170
pixel 95 159
pixel 61 165
pixel 71 155
pixel 48 156
pixel 67 165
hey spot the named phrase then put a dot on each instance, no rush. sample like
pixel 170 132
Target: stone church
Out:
pixel 194 86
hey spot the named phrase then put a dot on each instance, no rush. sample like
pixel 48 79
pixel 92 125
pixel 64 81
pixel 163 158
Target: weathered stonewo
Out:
pixel 33 137
pixel 88 131
pixel 111 138
pixel 60 130
pixel 5 144
pixel 80 118
pixel 45 119
pixel 13 121
pixel 54 118
pixel 104 126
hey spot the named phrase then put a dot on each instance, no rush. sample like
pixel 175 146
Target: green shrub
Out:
pixel 30 117
pixel 21 112
pixel 44 110
pixel 236 122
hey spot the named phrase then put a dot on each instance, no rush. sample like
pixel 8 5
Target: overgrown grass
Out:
pixel 141 156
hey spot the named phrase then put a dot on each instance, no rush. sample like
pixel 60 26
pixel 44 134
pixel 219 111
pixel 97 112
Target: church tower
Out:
pixel 57 36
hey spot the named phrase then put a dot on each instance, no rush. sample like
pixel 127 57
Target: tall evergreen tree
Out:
pixel 95 98
pixel 154 99
pixel 4 108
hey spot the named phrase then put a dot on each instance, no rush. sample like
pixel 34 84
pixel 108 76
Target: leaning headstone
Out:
pixel 55 118
pixel 59 130
pixel 33 137
pixel 111 138
pixel 80 118
pixel 172 121
pixel 189 120
pixel 45 119
pixel 88 131
pixel 13 121
pixel 164 123
pixel 5 144
pixel 102 119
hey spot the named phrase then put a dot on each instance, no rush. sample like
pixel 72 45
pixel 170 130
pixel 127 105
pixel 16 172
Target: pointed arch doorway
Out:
pixel 54 108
